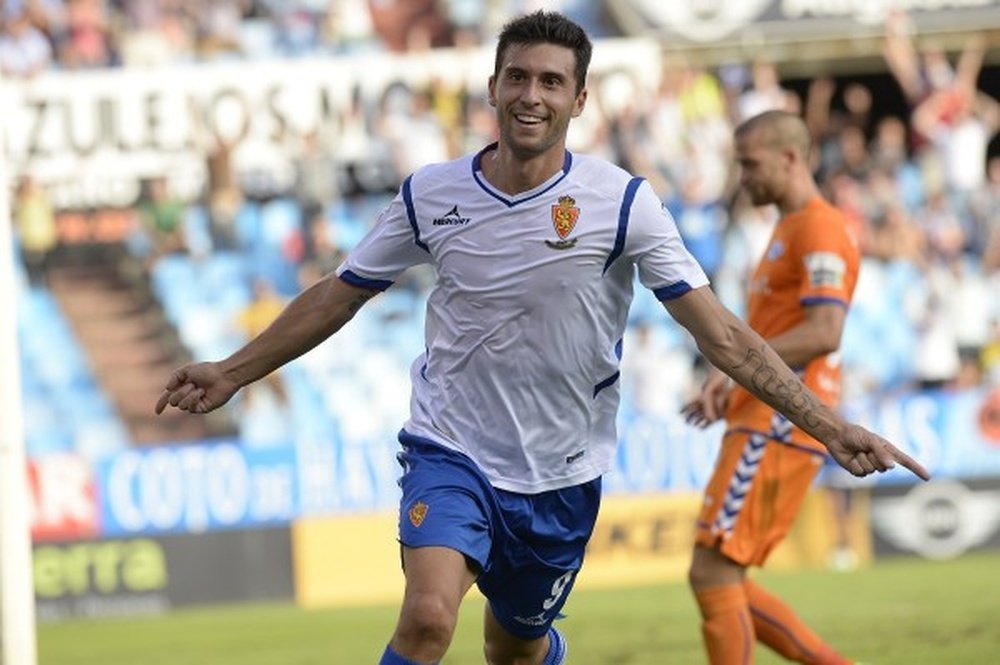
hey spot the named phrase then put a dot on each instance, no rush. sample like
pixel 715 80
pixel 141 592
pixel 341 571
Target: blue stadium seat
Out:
pixel 248 225
pixel 197 229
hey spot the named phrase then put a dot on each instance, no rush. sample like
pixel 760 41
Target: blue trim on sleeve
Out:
pixel 610 381
pixel 823 300
pixel 357 280
pixel 412 214
pixel 623 217
pixel 673 291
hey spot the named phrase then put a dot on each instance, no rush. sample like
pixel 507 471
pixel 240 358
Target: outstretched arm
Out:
pixel 816 335
pixel 314 315
pixel 733 347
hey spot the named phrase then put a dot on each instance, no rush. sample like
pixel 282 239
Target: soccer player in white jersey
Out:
pixel 513 402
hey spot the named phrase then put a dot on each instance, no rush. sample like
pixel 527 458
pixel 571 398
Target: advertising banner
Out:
pixel 63 498
pixel 955 434
pixel 766 21
pixel 91 137
pixel 129 576
pixel 224 485
pixel 353 560
pixel 941 519
pixel 196 488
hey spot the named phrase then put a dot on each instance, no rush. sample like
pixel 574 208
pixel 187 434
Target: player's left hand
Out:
pixel 863 452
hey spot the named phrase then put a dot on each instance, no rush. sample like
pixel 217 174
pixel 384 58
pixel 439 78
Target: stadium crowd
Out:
pixel 922 187
pixel 37 35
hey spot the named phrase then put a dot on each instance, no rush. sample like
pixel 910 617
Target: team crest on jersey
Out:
pixel 775 251
pixel 564 217
pixel 418 512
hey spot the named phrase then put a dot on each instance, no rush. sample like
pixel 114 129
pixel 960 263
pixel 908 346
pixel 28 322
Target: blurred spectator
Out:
pixel 655 370
pixel 480 127
pixel 155 32
pixel 889 153
pixel 411 25
pixel 350 27
pixel 765 92
pixel 701 222
pixel 967 307
pixel 49 16
pixel 323 251
pixel 921 73
pixel 990 358
pixel 667 122
pixel 412 131
pixel 88 42
pixel 942 228
pixel 224 195
pixel 827 121
pixel 746 238
pixel 162 216
pixel 628 135
pixel 850 153
pixel 24 49
pixel 960 135
pixel 986 212
pixel 447 102
pixel 35 223
pixel 936 362
pixel 892 236
pixel 466 18
pixel 264 307
pixel 316 175
pixel 298 26
pixel 217 26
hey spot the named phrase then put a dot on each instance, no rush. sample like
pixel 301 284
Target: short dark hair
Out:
pixel 543 27
pixel 778 129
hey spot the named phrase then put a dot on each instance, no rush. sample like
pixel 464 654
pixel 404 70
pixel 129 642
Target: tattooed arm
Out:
pixel 734 348
pixel 313 316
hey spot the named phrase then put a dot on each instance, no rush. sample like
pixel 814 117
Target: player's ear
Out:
pixel 491 91
pixel 581 101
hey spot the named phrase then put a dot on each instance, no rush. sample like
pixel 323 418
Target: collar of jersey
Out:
pixel 510 202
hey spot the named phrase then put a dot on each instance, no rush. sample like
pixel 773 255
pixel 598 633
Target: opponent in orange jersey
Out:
pixel 798 301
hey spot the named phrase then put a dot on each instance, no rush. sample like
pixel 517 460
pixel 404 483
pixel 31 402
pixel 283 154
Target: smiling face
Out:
pixel 535 93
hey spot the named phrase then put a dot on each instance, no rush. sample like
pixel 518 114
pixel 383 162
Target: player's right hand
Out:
pixel 711 402
pixel 197 388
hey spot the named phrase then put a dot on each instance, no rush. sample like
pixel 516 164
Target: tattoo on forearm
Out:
pixel 790 398
pixel 359 302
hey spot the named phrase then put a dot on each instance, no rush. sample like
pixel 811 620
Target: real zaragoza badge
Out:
pixel 564 217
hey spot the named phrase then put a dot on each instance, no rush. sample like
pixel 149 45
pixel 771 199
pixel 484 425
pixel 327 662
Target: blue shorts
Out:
pixel 528 548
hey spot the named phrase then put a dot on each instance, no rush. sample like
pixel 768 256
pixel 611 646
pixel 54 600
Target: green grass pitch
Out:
pixel 901 611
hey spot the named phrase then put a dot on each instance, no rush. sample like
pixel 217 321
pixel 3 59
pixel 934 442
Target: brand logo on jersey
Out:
pixel 417 513
pixel 537 620
pixel 451 218
pixel 564 216
pixel 575 456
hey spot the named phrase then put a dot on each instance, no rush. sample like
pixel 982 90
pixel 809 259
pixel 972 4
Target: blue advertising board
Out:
pixel 225 485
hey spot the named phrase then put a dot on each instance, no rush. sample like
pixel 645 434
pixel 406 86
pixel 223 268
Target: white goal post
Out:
pixel 18 644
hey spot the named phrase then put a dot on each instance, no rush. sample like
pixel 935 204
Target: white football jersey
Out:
pixel 524 325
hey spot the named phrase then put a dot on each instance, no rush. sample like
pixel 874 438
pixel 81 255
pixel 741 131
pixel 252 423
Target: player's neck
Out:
pixel 513 174
pixel 797 198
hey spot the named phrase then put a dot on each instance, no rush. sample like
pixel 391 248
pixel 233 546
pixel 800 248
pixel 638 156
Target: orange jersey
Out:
pixel 812 258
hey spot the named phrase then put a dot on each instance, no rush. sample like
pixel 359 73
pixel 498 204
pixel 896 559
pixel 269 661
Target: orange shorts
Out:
pixel 754 494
